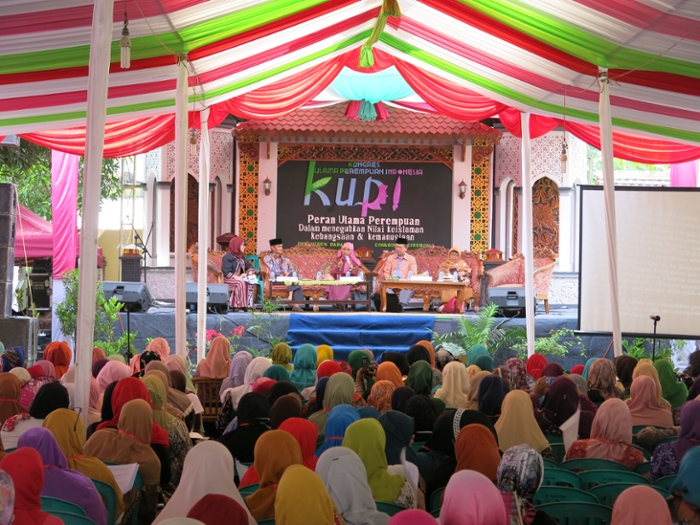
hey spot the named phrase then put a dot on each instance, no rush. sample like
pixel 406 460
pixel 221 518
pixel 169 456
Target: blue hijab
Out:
pixel 368 413
pixel 587 368
pixel 304 373
pixel 398 428
pixel 339 419
pixel 688 482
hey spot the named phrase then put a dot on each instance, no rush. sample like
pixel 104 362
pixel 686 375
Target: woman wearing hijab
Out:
pixel 49 398
pixel 213 508
pixel 161 347
pixel 27 472
pixel 339 391
pixel 285 407
pixel 388 371
pixel 282 355
pixel 97 354
pixel 470 498
pixel 218 360
pixel 275 451
pixel 517 425
pixel 182 364
pixel 339 419
pixel 97 366
pixel 59 354
pixel 323 353
pixel 492 392
pixel 646 368
pixel 624 367
pixel 640 504
pixel 236 376
pixel 474 352
pixel 60 481
pixel 67 427
pixel 485 363
pixel 472 401
pixel 345 478
pixel 400 398
pixel 253 420
pixel 304 373
pixel 302 499
pixel 232 396
pixel 581 384
pixel 279 373
pixel 442 358
pixel 673 390
pixel 602 381
pixel 344 263
pixel 684 499
pixel 431 351
pixel 367 439
pixel 535 364
pixel 28 387
pixel 10 390
pixel 399 360
pixel 518 374
pixel 12 357
pixel 235 269
pixel 111 372
pixel 552 370
pixel 520 474
pixel 399 429
pixel 424 414
pixel 380 396
pixel 668 456
pixel 306 434
pixel 208 470
pixel 420 378
pixel 418 353
pixel 178 403
pixel 644 405
pixel 611 437
pixel 455 385
pixel 561 402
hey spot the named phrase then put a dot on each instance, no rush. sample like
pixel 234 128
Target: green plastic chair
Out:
pixel 558 477
pixel 593 478
pixel 255 261
pixel 671 439
pixel 559 451
pixel 577 513
pixel 584 464
pixel 647 455
pixel 110 496
pixel 436 498
pixel 552 494
pixel 266 522
pixel 609 492
pixel 643 468
pixel 386 508
pixel 71 519
pixel 665 482
pixel 550 463
pixel 417 445
pixel 554 439
pixel 8 450
pixel 49 504
pixel 435 513
pixel 138 485
pixel 249 489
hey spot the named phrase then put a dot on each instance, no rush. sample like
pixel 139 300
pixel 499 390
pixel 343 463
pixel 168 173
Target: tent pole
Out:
pixel 181 207
pixel 606 148
pixel 203 241
pixel 98 81
pixel 527 236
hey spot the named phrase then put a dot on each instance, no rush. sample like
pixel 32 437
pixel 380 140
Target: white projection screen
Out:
pixel 658 261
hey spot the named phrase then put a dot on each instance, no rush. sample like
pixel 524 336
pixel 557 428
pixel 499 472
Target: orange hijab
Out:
pixel 476 449
pixel 218 360
pixel 429 347
pixel 59 354
pixel 388 371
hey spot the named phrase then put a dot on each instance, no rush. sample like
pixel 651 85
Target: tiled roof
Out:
pixel 329 124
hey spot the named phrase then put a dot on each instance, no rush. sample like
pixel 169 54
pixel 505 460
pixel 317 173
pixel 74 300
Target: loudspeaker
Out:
pixel 21 331
pixel 217 297
pixel 509 300
pixel 135 296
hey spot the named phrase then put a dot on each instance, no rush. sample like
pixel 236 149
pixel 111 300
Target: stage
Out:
pixel 160 322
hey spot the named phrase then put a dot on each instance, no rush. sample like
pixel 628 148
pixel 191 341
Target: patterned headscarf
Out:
pixel 603 378
pixel 520 474
pixel 442 357
pixel 380 396
pixel 518 374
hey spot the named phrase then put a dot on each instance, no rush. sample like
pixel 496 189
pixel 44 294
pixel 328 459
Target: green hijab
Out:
pixel 484 362
pixel 673 390
pixel 282 355
pixel 355 360
pixel 277 372
pixel 420 378
pixel 587 369
pixel 304 373
pixel 367 439
pixel 474 352
pixel 340 390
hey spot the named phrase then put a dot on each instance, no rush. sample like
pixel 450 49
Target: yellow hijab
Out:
pixel 323 353
pixel 517 424
pixel 302 498
pixel 67 428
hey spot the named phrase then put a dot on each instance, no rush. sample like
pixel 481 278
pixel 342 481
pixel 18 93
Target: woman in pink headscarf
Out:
pixel 236 270
pixel 470 497
pixel 218 361
pixel 345 261
pixel 161 347
pixel 111 372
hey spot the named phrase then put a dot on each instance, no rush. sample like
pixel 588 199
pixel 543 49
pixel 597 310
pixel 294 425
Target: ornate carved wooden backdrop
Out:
pixel 192 212
pixel 545 214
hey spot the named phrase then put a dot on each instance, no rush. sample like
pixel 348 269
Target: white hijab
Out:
pixel 455 385
pixel 255 370
pixel 345 477
pixel 208 469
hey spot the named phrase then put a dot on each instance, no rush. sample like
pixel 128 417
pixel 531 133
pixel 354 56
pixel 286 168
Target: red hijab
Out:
pixel 128 389
pixel 535 364
pixel 327 369
pixel 578 369
pixel 234 247
pixel 214 509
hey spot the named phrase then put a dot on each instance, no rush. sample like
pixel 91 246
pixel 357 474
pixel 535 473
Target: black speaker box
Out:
pixel 217 297
pixel 135 296
pixel 510 300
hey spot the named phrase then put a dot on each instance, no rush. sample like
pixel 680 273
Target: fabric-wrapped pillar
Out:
pixel 181 207
pixel 98 81
pixel 606 149
pixel 527 236
pixel 203 239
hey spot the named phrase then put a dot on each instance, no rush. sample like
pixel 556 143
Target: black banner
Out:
pixel 369 204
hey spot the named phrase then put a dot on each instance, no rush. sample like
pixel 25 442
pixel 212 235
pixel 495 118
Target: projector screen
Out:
pixel 658 261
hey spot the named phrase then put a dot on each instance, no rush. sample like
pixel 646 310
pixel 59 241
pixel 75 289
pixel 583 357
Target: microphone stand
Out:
pixel 139 242
pixel 653 348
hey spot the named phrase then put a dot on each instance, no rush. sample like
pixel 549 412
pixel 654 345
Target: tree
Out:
pixel 29 168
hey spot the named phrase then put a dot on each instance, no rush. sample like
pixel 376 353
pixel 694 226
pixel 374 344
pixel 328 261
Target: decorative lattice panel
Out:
pixel 248 169
pixel 480 198
pixel 545 214
pixel 516 222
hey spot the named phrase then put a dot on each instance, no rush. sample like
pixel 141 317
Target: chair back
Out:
pixel 665 482
pixel 49 504
pixel 577 513
pixel 266 522
pixel 593 478
pixel 645 452
pixel 552 494
pixel 559 451
pixel 593 464
pixel 436 499
pixel 559 477
pixel 609 492
pixel 550 463
pixel 71 519
pixel 208 394
pixel 386 508
pixel 248 489
pixel 110 498
pixel 643 468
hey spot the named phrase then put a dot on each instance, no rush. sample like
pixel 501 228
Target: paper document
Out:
pixel 125 475
pixel 569 430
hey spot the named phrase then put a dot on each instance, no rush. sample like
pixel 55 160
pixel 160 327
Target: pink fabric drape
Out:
pixel 539 125
pixel 64 203
pixel 685 174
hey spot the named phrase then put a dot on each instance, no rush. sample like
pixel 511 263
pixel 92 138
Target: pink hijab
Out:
pixel 611 434
pixel 161 347
pixel 111 372
pixel 353 257
pixel 218 360
pixel 412 517
pixel 640 504
pixel 234 247
pixel 644 404
pixel 472 499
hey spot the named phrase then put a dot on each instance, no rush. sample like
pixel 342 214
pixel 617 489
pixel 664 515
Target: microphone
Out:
pixel 347 258
pixel 655 318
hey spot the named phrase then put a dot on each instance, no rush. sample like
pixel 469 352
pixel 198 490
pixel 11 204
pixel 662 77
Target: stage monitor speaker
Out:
pixel 510 300
pixel 217 297
pixel 135 296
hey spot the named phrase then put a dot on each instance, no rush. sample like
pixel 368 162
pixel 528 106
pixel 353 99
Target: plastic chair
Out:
pixel 559 451
pixel 436 499
pixel 435 513
pixel 249 489
pixel 647 455
pixel 255 261
pixel 643 468
pixel 577 513
pixel 552 494
pixel 585 464
pixel 558 477
pixel 665 482
pixel 593 478
pixel 386 508
pixel 554 439
pixel 550 463
pixel 110 497
pixel 671 439
pixel 71 519
pixel 609 492
pixel 50 505
pixel 266 522
pixel 417 445
pixel 138 485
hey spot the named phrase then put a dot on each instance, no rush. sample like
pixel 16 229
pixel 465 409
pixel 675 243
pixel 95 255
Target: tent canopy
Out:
pixel 264 58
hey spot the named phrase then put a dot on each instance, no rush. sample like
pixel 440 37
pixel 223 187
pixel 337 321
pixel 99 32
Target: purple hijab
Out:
pixel 61 482
pixel 236 374
pixel 690 429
